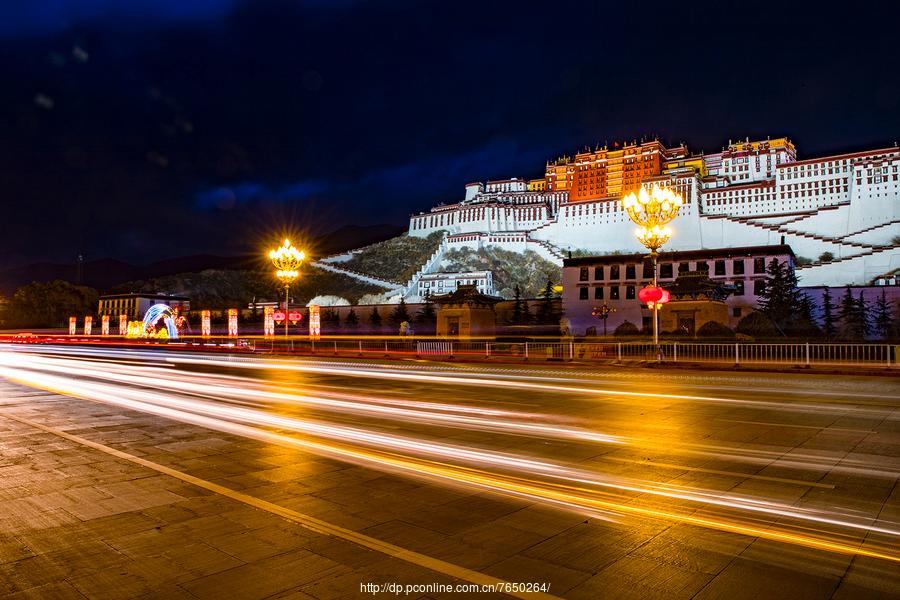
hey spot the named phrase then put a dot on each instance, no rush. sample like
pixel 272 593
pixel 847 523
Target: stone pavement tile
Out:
pixel 266 577
pixel 694 548
pixel 13 549
pixel 869 578
pixel 502 540
pixel 112 583
pixel 346 583
pixel 28 573
pixel 541 519
pixel 636 577
pixel 51 591
pixel 522 569
pixel 583 547
pixel 199 559
pixel 346 553
pixel 405 535
pixel 254 545
pixel 751 580
pixel 798 558
pixel 457 552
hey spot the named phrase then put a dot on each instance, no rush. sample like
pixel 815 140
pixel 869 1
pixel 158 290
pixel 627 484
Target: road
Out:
pixel 599 483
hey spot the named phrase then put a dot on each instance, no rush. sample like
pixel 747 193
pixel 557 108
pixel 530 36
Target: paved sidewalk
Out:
pixel 77 522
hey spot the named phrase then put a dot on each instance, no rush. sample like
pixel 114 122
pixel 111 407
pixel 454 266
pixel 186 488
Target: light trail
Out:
pixel 242 406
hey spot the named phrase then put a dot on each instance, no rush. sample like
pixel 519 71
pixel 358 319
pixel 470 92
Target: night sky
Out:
pixel 148 129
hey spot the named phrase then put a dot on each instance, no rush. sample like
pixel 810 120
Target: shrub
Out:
pixel 756 325
pixel 626 328
pixel 826 257
pixel 714 329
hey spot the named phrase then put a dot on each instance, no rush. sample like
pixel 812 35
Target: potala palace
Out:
pixel 842 211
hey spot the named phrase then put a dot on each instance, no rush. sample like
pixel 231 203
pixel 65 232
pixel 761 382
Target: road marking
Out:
pixel 306 521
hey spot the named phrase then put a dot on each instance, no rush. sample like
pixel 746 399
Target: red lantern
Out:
pixel 650 294
pixel 666 296
pixel 293 317
pixel 278 316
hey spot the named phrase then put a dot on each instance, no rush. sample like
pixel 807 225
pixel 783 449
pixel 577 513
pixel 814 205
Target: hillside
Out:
pixel 216 288
pixel 529 271
pixel 396 259
pixel 106 273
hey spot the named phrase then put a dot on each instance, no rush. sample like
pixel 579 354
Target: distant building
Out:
pixel 843 207
pixel 443 283
pixel 135 305
pixel 615 280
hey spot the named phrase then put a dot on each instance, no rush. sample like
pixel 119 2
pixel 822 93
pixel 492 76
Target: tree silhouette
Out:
pixel 884 317
pixel 545 311
pixel 400 313
pixel 427 315
pixel 862 307
pixel 853 323
pixel 828 307
pixel 375 318
pixel 351 320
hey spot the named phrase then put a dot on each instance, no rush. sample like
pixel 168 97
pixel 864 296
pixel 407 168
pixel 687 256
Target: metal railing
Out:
pixel 800 354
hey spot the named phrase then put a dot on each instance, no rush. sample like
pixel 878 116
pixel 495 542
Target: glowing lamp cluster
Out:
pixel 651 211
pixel 653 296
pixel 287 260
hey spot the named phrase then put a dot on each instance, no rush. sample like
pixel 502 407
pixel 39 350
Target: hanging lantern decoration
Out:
pixel 279 316
pixel 88 323
pixel 269 321
pixel 314 322
pixel 73 325
pixel 650 295
pixel 123 324
pixel 104 325
pixel 232 322
pixel 204 323
pixel 295 316
pixel 666 296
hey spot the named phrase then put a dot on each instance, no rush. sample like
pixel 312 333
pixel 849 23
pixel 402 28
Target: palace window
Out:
pixel 738 288
pixel 738 266
pixel 759 265
pixel 583 274
pixel 630 272
pixel 614 272
pixel 629 292
pixel 614 292
pixel 598 292
pixel 598 273
pixel 759 287
pixel 665 271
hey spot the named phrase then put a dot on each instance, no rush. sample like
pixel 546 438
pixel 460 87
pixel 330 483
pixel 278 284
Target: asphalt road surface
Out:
pixel 400 475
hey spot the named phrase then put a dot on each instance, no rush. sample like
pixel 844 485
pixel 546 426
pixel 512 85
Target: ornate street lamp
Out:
pixel 287 261
pixel 652 211
pixel 602 312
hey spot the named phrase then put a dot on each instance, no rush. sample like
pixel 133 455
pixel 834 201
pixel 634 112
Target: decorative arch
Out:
pixel 165 312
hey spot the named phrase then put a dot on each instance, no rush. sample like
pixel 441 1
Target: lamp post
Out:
pixel 652 211
pixel 287 260
pixel 602 312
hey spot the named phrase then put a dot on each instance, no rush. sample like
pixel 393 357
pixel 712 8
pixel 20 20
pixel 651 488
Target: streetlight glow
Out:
pixel 287 261
pixel 652 211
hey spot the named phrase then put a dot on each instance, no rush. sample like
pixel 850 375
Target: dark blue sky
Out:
pixel 145 129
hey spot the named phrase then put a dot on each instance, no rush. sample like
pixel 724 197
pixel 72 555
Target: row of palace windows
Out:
pixel 615 291
pixel 666 269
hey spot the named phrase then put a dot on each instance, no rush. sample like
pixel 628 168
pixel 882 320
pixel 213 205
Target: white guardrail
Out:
pixel 798 354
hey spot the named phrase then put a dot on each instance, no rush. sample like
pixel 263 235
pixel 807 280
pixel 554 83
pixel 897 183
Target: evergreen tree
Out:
pixel 400 313
pixel 516 317
pixel 828 307
pixel 862 308
pixel 351 320
pixel 780 299
pixel 331 318
pixel 427 314
pixel 883 317
pixel 852 325
pixel 545 312
pixel 375 318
